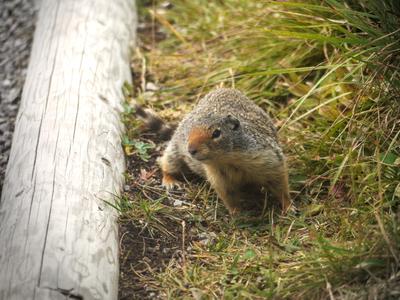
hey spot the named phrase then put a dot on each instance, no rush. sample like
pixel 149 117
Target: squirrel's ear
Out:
pixel 233 122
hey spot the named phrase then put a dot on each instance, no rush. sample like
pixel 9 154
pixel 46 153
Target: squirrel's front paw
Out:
pixel 169 182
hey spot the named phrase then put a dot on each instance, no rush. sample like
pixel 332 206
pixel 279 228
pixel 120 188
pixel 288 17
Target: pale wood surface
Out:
pixel 58 239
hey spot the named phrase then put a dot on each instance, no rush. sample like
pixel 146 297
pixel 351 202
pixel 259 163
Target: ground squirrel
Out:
pixel 230 141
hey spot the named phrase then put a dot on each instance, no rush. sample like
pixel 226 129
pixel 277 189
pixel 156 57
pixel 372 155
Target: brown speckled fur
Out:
pixel 244 158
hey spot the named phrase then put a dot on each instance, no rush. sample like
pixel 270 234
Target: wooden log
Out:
pixel 58 238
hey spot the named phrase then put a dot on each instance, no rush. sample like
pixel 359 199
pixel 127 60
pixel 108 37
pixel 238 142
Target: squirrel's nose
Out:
pixel 192 150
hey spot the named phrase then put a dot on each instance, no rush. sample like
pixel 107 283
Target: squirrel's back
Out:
pixel 254 121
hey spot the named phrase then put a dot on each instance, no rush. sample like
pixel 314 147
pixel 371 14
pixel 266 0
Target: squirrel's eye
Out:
pixel 216 133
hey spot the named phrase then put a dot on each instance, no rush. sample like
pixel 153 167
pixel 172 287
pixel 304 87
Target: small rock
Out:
pixel 166 5
pixel 206 238
pixel 197 294
pixel 178 203
pixel 6 82
pixel 151 87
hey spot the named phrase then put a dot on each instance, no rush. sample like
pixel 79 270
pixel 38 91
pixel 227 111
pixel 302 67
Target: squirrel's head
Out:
pixel 207 142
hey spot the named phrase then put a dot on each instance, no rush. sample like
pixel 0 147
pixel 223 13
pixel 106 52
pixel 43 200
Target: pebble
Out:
pixel 178 203
pixel 206 238
pixel 151 87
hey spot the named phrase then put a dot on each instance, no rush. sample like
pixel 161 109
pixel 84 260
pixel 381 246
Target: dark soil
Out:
pixel 144 251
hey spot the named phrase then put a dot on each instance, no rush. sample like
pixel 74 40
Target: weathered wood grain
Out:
pixel 58 239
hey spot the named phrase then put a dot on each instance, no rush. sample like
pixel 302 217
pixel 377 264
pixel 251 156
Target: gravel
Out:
pixel 17 20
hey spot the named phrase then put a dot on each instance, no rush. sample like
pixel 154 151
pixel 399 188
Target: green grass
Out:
pixel 329 75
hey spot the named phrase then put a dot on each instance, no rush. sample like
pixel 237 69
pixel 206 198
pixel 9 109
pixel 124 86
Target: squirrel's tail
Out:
pixel 154 123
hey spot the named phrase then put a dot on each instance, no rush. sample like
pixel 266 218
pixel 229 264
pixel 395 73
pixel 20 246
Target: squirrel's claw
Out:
pixel 169 182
